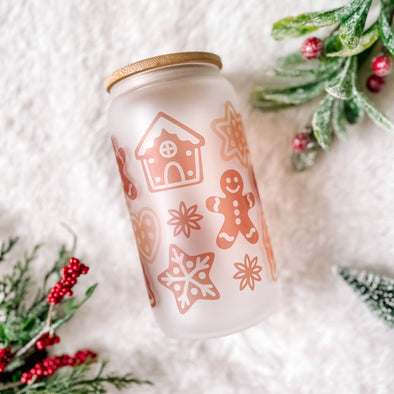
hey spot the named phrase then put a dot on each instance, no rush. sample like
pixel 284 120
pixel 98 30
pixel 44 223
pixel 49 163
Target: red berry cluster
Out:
pixel 50 365
pixel 47 340
pixel 82 356
pixel 312 48
pixel 5 354
pixel 69 278
pixel 381 66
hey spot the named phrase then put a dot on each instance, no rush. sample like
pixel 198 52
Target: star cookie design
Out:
pixel 188 278
pixel 231 131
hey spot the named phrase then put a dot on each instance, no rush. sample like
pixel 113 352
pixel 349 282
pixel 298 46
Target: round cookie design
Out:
pixel 146 226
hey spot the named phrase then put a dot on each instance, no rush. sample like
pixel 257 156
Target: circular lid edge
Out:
pixel 160 61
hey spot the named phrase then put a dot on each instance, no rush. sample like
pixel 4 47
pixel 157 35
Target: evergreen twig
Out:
pixel 6 247
pixel 333 74
pixel 24 325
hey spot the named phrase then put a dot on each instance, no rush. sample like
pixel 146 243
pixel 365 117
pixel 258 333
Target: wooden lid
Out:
pixel 161 61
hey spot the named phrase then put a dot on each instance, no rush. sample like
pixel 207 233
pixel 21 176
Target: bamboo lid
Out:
pixel 161 61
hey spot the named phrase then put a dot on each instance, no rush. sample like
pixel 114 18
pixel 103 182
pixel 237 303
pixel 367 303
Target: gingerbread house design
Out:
pixel 170 154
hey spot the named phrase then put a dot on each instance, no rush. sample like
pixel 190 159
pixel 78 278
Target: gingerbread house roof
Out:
pixel 172 126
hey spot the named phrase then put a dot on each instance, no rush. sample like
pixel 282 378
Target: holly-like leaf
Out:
pixel 375 114
pixel 385 29
pixel 291 60
pixel 294 95
pixel 353 26
pixel 308 23
pixel 268 105
pixel 338 121
pixel 332 44
pixel 354 110
pixel 342 86
pixel 321 122
pixel 319 70
pixel 366 41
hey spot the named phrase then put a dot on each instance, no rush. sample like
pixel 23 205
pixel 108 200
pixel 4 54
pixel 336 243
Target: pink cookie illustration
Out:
pixel 268 249
pixel 149 287
pixel 188 278
pixel 146 226
pixel 231 131
pixel 128 187
pixel 170 154
pixel 234 207
pixel 248 272
pixel 184 219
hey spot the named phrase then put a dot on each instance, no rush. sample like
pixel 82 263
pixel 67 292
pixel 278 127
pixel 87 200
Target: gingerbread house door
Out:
pixel 173 174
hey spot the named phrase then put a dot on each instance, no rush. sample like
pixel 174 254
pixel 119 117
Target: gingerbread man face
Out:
pixel 231 182
pixel 234 206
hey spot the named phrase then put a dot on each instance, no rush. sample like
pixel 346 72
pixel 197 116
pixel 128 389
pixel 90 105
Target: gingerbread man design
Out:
pixel 234 207
pixel 128 186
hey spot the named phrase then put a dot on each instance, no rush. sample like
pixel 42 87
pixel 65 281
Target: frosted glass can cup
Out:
pixel 194 205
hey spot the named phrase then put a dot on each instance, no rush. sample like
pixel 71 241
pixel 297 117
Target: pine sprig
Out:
pixel 334 73
pixel 13 287
pixel 24 324
pixel 76 381
pixel 376 291
pixel 24 320
pixel 6 247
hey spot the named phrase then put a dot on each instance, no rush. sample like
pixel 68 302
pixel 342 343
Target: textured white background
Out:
pixel 57 165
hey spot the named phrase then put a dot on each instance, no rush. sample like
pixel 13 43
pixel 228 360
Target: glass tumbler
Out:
pixel 194 205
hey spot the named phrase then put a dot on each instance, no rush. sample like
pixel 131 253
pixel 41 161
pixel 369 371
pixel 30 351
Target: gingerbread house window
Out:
pixel 168 149
pixel 170 154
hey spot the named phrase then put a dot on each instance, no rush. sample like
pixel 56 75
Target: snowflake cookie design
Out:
pixel 230 129
pixel 248 272
pixel 184 219
pixel 188 278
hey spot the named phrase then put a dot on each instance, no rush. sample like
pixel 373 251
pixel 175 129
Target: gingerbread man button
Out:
pixel 234 207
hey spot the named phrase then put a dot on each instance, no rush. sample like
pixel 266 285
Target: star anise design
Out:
pixel 184 219
pixel 248 272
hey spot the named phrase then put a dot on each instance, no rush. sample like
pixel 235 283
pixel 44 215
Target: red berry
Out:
pixel 301 142
pixel 375 83
pixel 5 354
pixel 68 280
pixel 40 345
pixel 84 270
pixel 312 48
pixel 381 65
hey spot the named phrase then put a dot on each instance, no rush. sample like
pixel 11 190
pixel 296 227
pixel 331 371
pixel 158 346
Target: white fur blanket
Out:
pixel 57 166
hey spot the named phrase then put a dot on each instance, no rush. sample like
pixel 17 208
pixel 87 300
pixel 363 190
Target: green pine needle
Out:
pixel 23 321
pixel 77 381
pixel 6 247
pixel 376 291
